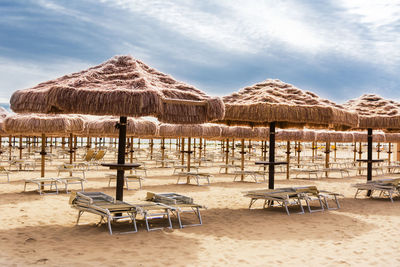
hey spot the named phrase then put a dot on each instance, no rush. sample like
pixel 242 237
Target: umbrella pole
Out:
pixel 359 156
pixel 200 149
pixel 42 159
pixel 151 148
pixel 334 152
pixel 271 172
pixel 314 147
pixel 75 146
pixel 20 151
pixel 242 159
pixel 233 151
pixel 389 153
pixel 131 152
pixel 71 151
pixel 138 143
pixel 205 147
pixel 10 147
pixel 355 151
pixel 183 151
pixel 369 155
pixel 288 159
pixel 327 152
pixel 162 152
pixel 121 158
pixel 298 154
pixel 227 155
pixel 188 159
pixel 63 143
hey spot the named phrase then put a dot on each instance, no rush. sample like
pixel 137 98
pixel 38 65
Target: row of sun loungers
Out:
pixel 157 206
pixel 295 196
pixel 53 183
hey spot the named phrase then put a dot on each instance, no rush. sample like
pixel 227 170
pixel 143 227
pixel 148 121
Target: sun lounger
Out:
pixel 385 187
pixel 183 168
pixel 72 169
pixel 294 196
pixel 197 176
pixel 71 180
pixel 228 166
pixel 180 204
pixel 252 174
pixel 41 183
pixel 128 179
pixel 109 209
pixel 276 197
pixel 152 211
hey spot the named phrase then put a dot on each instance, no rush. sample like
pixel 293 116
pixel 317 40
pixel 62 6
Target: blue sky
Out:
pixel 338 49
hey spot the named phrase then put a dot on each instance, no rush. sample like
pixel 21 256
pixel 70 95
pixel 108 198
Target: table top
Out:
pixel 271 163
pixel 373 160
pixel 126 166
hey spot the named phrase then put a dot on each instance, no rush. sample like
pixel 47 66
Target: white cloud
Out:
pixel 16 74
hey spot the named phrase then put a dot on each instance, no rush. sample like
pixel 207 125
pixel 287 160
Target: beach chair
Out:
pixel 5 173
pixel 252 174
pixel 109 209
pixel 72 168
pixel 385 187
pixel 41 183
pixel 179 204
pixel 197 176
pixel 71 180
pixel 283 197
pixel 128 179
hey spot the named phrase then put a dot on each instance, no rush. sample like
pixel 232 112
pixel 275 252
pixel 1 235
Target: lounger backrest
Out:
pixel 99 155
pixel 72 197
pixel 89 155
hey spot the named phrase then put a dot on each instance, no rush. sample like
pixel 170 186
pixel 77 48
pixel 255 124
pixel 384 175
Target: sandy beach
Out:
pixel 38 229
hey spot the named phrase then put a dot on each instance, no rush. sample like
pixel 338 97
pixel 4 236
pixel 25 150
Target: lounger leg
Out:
pixel 179 219
pixel 109 225
pixel 79 216
pixel 169 220
pixel 286 207
pixel 252 202
pixel 358 190
pixel 82 186
pixel 140 183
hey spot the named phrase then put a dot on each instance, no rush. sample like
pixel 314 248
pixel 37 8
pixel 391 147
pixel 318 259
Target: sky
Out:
pixel 338 49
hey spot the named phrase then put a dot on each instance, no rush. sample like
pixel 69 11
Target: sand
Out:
pixel 41 230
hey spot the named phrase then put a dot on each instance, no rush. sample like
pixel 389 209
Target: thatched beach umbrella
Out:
pixel 43 125
pixel 375 113
pixel 279 104
pixel 121 86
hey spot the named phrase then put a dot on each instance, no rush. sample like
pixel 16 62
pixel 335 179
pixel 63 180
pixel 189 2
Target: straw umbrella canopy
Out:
pixel 276 103
pixel 43 125
pixel 122 86
pixel 375 113
pixel 105 126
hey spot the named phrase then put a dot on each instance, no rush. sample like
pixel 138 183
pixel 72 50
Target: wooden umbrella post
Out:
pixel 389 153
pixel 355 151
pixel 334 152
pixel 327 152
pixel 183 151
pixel 233 151
pixel 75 146
pixel 227 156
pixel 288 160
pixel 200 149
pixel 10 147
pixel 369 155
pixel 20 151
pixel 359 157
pixel 205 148
pixel 314 147
pixel 298 154
pixel 162 152
pixel 188 159
pixel 42 159
pixel 63 143
pixel 151 148
pixel 138 143
pixel 51 144
pixel 242 159
pixel 71 150
pixel 131 153
pixel 271 172
pixel 194 148
pixel 121 157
